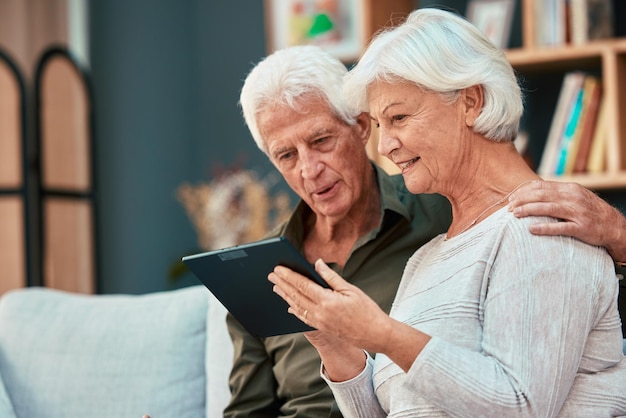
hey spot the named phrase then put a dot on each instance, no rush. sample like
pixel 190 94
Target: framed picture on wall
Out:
pixel 493 18
pixel 335 25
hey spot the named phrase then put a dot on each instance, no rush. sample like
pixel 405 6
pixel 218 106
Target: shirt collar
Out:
pixel 390 204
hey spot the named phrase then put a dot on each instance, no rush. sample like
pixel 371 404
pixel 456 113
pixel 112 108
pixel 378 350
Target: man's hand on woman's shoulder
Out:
pixel 583 214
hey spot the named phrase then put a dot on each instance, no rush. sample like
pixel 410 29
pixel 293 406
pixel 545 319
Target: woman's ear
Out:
pixel 473 103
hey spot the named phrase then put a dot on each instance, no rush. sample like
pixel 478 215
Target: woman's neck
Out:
pixel 484 188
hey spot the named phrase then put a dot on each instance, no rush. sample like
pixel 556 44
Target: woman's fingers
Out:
pixel 298 291
pixel 334 280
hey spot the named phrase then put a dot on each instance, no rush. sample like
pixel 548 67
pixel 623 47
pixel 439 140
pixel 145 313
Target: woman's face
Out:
pixel 420 133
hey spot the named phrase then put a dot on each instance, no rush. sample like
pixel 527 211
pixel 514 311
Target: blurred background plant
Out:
pixel 235 207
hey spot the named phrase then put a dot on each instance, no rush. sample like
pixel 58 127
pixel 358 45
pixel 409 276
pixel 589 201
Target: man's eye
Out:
pixel 285 156
pixel 320 140
pixel 398 118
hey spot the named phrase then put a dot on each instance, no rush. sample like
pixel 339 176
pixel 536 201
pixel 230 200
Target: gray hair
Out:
pixel 290 75
pixel 442 52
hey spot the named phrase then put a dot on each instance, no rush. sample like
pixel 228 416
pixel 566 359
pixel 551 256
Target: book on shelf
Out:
pixel 593 92
pixel 570 87
pixel 590 19
pixel 597 155
pixel 551 21
pixel 569 132
pixel 558 22
pixel 574 147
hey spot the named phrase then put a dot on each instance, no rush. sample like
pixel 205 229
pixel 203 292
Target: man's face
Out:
pixel 321 157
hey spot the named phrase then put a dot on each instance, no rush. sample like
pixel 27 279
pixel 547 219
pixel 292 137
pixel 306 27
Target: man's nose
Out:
pixel 311 167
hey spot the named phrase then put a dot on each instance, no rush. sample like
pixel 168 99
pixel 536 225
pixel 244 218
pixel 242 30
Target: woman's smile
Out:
pixel 407 164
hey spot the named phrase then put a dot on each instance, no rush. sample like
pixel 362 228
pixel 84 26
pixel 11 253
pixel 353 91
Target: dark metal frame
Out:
pixel 22 191
pixel 90 196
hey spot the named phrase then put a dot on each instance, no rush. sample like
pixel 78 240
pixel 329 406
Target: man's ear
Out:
pixel 364 123
pixel 472 103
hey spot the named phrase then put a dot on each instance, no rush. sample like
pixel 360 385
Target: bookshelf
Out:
pixel 541 70
pixel 605 58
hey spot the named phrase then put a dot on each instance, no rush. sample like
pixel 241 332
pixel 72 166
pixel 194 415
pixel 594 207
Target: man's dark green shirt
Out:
pixel 280 376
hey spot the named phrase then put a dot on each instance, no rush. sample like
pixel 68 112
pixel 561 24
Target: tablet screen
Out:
pixel 237 276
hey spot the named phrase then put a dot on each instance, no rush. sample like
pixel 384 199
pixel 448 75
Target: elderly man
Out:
pixel 361 221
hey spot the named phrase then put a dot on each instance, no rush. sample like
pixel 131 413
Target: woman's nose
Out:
pixel 387 143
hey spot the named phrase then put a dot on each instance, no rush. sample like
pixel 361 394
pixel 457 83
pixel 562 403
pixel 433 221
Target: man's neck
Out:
pixel 332 239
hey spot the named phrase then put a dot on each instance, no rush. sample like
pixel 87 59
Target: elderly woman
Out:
pixel 489 320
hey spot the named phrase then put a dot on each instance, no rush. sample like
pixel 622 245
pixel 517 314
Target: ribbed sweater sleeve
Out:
pixel 356 397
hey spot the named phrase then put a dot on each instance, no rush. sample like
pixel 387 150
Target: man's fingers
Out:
pixel 547 191
pixel 529 192
pixel 551 209
pixel 553 228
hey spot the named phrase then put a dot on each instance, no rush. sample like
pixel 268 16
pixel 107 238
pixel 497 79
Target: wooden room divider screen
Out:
pixel 14 247
pixel 63 103
pixel 47 188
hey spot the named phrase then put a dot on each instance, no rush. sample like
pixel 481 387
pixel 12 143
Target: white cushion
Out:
pixel 72 356
pixel 6 407
pixel 219 358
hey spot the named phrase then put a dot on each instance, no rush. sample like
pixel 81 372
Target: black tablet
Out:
pixel 237 276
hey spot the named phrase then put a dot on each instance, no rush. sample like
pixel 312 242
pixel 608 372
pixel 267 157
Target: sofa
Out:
pixel 66 355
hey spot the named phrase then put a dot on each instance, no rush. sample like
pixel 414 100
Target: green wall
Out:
pixel 166 77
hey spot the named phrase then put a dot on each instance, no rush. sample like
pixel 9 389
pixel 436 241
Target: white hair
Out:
pixel 290 75
pixel 442 52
